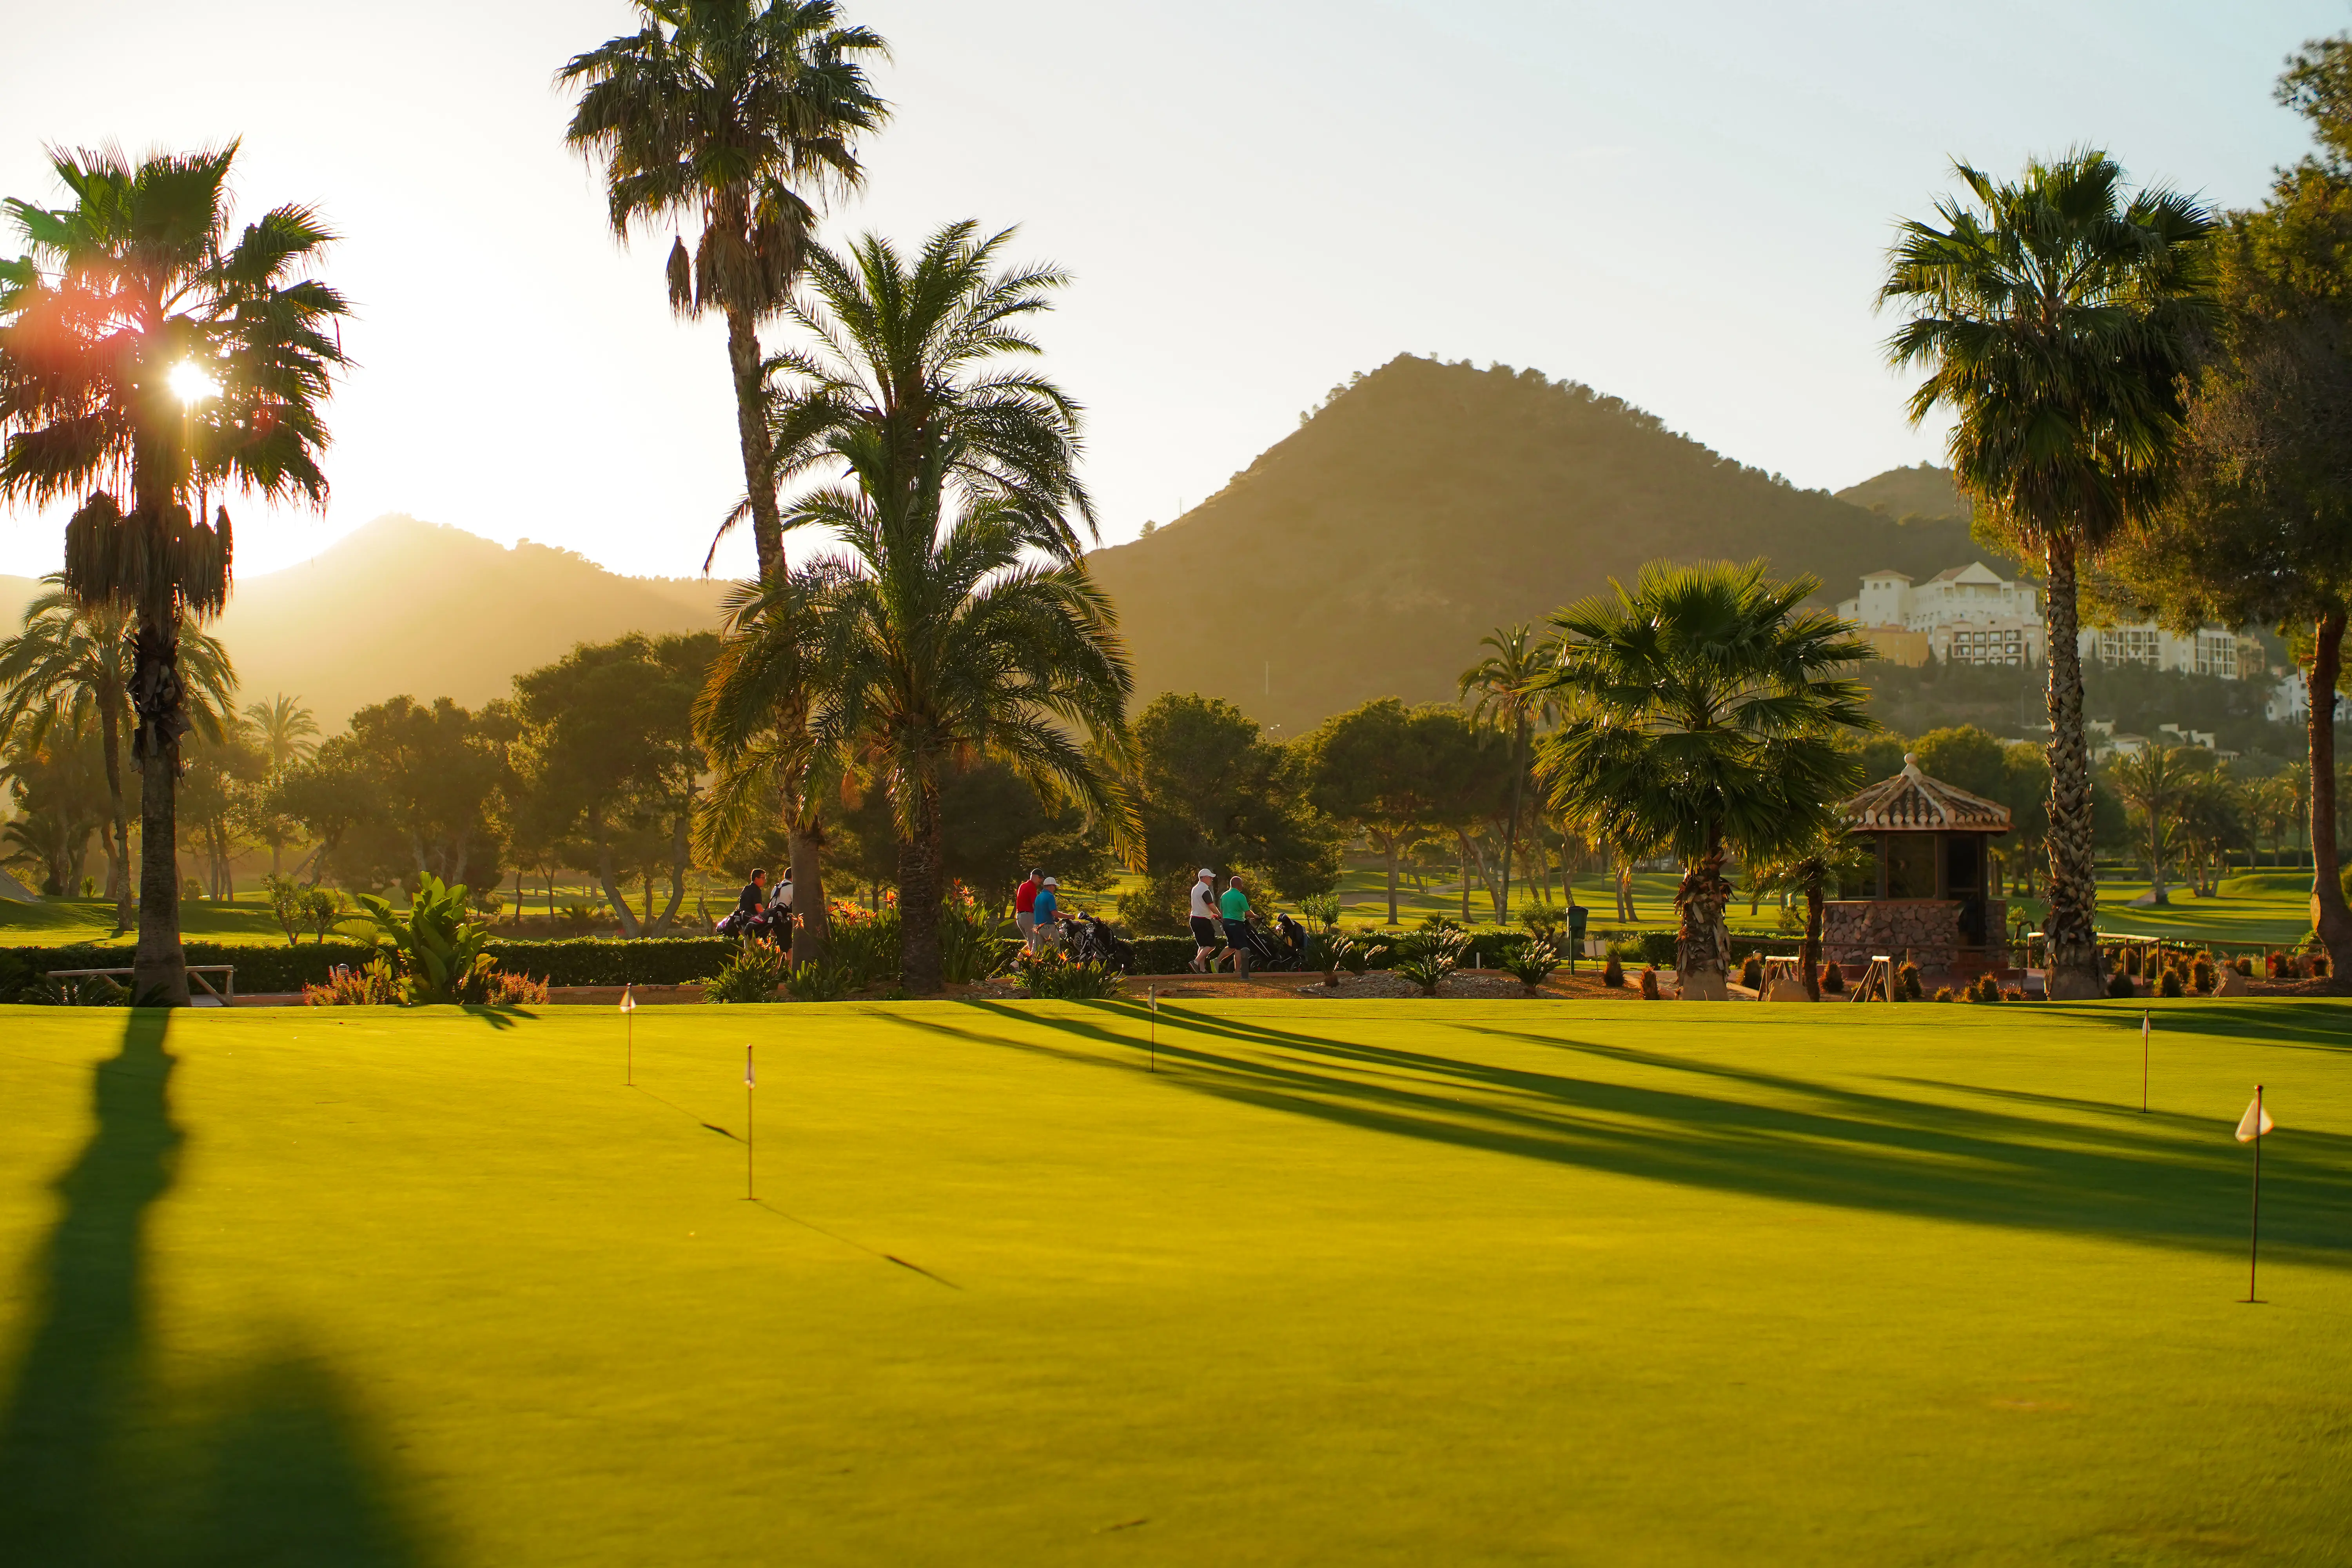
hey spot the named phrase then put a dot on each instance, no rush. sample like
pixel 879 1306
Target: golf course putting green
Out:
pixel 1385 1282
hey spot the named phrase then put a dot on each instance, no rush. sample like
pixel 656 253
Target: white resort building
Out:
pixel 1972 614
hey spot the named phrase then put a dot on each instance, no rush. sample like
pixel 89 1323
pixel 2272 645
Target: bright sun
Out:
pixel 191 384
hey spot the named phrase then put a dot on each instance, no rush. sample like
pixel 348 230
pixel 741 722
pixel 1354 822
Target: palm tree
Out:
pixel 1505 681
pixel 286 734
pixel 1703 709
pixel 73 662
pixel 1808 866
pixel 2152 786
pixel 2056 322
pixel 962 620
pixel 148 354
pixel 733 114
pixel 287 731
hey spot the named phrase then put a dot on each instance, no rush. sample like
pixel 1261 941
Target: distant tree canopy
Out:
pixel 607 767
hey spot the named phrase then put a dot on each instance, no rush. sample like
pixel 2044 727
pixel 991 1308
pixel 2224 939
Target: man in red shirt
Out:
pixel 1024 909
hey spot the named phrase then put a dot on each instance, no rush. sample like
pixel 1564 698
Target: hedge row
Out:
pixel 677 961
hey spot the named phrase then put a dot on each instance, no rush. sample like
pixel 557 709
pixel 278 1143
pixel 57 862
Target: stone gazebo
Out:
pixel 1932 896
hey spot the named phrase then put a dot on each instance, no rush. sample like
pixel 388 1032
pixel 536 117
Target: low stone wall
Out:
pixel 1856 930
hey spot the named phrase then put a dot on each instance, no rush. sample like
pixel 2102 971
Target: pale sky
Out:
pixel 1684 205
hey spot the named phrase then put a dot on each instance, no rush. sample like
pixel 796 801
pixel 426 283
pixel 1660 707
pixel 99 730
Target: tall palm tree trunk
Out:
pixel 159 969
pixel 813 917
pixel 919 900
pixel 118 844
pixel 751 432
pixel 1511 833
pixel 2328 912
pixel 1701 955
pixel 1810 959
pixel 2071 931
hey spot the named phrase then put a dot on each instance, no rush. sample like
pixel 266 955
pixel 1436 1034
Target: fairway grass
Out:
pixel 1341 1282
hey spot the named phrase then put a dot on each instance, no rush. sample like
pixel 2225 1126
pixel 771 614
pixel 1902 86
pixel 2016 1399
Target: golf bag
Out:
pixel 1276 949
pixel 1092 941
pixel 770 924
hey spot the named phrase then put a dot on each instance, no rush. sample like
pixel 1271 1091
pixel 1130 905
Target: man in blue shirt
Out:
pixel 1042 916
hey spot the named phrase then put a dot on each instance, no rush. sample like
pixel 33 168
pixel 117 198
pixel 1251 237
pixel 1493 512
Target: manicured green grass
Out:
pixel 1347 1283
pixel 63 923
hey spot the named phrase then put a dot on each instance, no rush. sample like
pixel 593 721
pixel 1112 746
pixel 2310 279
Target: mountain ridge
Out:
pixel 1367 553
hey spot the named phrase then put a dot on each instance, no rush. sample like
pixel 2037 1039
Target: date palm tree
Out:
pixel 148 353
pixel 1704 709
pixel 2154 786
pixel 2056 320
pixel 73 662
pixel 286 731
pixel 740 116
pixel 1505 681
pixel 958 619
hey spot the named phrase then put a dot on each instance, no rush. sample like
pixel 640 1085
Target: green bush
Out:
pixel 1751 972
pixel 868 946
pixel 2170 984
pixel 1833 980
pixel 752 975
pixel 1650 983
pixel 2120 985
pixel 1531 964
pixel 970 948
pixel 1906 983
pixel 1425 969
pixel 1050 976
pixel 1988 989
pixel 817 981
pixel 440 951
pixel 1321 908
pixel 1612 973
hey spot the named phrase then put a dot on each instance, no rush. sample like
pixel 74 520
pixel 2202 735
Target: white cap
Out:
pixel 1051 883
pixel 1206 872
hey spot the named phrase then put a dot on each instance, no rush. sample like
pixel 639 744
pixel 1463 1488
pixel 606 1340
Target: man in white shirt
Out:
pixel 1207 934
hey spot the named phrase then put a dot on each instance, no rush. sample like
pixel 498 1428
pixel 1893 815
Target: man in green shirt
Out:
pixel 1233 905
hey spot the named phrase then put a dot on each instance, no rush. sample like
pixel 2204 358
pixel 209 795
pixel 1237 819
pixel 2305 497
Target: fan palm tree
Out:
pixel 2153 784
pixel 1505 681
pixel 1703 710
pixel 960 620
pixel 286 731
pixel 2056 320
pixel 147 355
pixel 73 662
pixel 733 114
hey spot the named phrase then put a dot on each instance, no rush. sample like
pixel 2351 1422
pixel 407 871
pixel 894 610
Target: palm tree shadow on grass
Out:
pixel 98 1462
pixel 2177 1182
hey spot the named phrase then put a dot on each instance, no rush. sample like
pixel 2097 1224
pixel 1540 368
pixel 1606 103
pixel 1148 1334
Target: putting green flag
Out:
pixel 2255 1123
pixel 750 1079
pixel 628 998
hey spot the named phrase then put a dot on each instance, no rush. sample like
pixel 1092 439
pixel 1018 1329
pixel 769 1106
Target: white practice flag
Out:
pixel 2247 1130
pixel 628 998
pixel 748 1080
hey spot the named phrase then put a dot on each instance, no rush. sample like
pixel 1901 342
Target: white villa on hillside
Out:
pixel 1972 614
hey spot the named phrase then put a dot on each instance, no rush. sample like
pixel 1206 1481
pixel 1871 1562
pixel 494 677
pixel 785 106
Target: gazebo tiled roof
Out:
pixel 1911 802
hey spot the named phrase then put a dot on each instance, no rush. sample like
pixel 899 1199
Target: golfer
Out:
pixel 1024 906
pixel 1235 907
pixel 1207 936
pixel 752 900
pixel 1042 927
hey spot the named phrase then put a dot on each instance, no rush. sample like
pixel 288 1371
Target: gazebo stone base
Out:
pixel 1855 930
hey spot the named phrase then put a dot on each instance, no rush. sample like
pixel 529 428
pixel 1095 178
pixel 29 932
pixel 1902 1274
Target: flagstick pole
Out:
pixel 2255 1243
pixel 751 1194
pixel 629 1080
pixel 1155 1031
pixel 2143 1062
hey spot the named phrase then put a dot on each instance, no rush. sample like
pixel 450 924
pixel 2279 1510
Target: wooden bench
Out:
pixel 221 995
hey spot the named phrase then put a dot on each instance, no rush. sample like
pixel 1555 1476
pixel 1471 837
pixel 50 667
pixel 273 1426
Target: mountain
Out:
pixel 417 607
pixel 1426 504
pixel 1926 492
pixel 407 607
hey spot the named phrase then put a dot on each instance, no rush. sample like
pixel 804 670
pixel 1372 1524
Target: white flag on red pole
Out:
pixel 628 998
pixel 2255 1123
